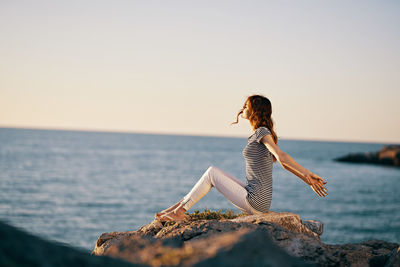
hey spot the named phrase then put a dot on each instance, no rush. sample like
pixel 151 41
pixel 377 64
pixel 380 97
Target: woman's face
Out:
pixel 246 113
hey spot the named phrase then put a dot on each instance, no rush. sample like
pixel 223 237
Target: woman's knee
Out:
pixel 212 173
pixel 212 169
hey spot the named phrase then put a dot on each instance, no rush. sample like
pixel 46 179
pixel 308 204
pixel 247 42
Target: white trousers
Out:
pixel 232 188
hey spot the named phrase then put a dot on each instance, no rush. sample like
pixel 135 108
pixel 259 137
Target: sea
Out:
pixel 72 186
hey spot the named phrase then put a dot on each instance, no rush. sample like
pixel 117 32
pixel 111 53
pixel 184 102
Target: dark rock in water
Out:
pixel 19 248
pixel 270 239
pixel 389 155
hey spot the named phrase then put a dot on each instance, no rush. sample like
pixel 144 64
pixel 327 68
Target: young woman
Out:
pixel 260 152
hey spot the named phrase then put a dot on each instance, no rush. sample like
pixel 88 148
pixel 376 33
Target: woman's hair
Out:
pixel 260 110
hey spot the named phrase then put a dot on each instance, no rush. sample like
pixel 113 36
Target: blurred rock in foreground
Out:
pixel 19 248
pixel 389 155
pixel 270 239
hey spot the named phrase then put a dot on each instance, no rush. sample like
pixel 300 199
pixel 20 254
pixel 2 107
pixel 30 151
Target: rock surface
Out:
pixel 19 248
pixel 389 155
pixel 270 239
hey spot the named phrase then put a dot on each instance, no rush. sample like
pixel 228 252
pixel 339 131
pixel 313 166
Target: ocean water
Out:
pixel 72 186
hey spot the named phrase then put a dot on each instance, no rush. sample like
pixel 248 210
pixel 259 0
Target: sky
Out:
pixel 330 68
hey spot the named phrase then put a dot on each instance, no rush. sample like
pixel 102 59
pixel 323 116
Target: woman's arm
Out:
pixel 288 163
pixel 291 165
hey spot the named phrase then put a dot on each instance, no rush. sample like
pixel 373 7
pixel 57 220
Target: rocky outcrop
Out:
pixel 389 155
pixel 271 239
pixel 19 248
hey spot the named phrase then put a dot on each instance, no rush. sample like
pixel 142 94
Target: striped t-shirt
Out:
pixel 258 171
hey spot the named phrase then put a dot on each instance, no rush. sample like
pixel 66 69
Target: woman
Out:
pixel 260 152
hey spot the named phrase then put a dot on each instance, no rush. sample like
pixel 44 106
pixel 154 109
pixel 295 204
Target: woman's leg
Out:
pixel 232 188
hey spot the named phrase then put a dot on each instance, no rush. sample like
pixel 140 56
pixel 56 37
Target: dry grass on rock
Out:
pixel 208 214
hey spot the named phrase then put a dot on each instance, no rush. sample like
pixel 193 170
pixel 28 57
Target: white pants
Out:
pixel 232 188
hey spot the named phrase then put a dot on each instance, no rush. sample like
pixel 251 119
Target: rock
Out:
pixel 234 248
pixel 389 155
pixel 19 248
pixel 270 239
pixel 315 226
pixel 394 259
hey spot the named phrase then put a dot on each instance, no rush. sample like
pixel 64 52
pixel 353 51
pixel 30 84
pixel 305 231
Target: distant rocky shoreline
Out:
pixel 271 239
pixel 388 155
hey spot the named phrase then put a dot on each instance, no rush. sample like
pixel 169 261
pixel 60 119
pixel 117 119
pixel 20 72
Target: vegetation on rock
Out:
pixel 208 214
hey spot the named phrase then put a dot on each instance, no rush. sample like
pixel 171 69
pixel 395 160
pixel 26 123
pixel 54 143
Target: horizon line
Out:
pixel 181 134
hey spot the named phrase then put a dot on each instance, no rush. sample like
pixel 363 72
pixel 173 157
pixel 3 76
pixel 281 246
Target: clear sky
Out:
pixel 330 68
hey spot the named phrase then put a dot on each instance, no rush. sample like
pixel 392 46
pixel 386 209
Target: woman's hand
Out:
pixel 317 184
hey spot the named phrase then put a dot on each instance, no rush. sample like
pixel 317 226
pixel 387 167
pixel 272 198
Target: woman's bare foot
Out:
pixel 173 207
pixel 175 215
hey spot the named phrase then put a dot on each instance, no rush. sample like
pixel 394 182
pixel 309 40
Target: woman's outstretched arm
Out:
pixel 288 163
